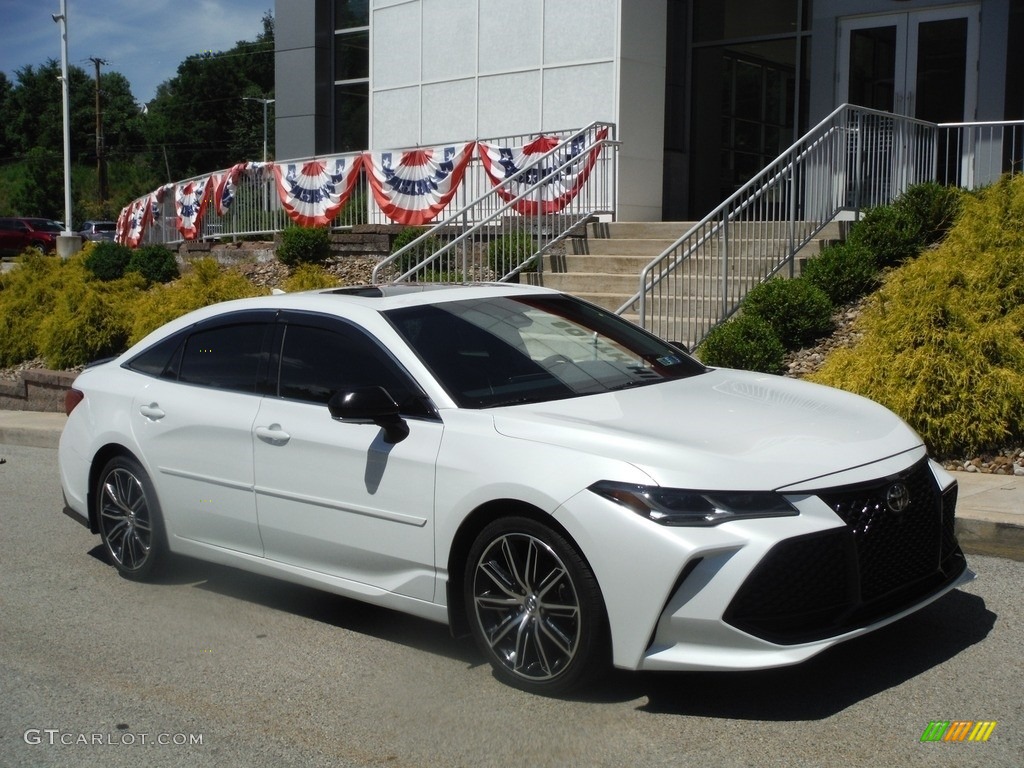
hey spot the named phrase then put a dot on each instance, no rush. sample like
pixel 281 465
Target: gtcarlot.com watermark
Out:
pixel 59 737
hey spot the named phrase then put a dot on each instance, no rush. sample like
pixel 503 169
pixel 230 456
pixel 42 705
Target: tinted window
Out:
pixel 156 361
pixel 227 357
pixel 507 350
pixel 317 362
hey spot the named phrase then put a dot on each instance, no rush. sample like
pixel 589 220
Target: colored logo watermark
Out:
pixel 958 730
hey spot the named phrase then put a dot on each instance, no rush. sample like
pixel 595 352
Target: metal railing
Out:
pixel 854 159
pixel 256 208
pixel 506 232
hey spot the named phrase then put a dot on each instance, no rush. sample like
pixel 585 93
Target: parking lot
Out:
pixel 211 666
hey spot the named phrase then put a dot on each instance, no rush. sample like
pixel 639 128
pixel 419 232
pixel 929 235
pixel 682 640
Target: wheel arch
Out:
pixel 99 461
pixel 467 533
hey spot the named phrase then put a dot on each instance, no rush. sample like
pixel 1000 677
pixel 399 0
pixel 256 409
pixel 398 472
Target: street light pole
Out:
pixel 62 20
pixel 265 103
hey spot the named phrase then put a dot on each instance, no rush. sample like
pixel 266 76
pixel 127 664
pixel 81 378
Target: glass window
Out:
pixel 351 13
pixel 318 362
pixel 351 117
pixel 226 357
pixel 156 361
pixel 352 56
pixel 504 351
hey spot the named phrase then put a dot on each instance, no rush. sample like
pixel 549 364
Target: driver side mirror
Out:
pixel 370 405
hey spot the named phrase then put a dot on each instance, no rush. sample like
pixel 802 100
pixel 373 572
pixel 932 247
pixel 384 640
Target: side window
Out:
pixel 317 362
pixel 226 357
pixel 158 359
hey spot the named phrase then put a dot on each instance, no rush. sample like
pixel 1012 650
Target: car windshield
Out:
pixel 514 349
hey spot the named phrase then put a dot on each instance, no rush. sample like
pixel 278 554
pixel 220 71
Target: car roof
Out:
pixel 352 302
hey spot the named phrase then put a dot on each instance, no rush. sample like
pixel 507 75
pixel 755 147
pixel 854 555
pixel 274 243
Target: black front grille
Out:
pixel 878 564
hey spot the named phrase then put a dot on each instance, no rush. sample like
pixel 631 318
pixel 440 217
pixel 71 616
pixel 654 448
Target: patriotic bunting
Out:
pixel 412 187
pixel 139 216
pixel 224 187
pixel 190 202
pixel 558 187
pixel 314 192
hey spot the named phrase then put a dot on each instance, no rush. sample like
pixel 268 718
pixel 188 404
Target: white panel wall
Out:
pixel 445 70
pixel 510 35
pixel 579 30
pixel 449 39
pixel 509 104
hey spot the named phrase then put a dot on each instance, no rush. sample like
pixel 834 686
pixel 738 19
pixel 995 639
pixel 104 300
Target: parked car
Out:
pixel 18 233
pixel 519 464
pixel 98 230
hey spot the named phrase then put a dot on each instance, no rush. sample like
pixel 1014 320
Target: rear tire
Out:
pixel 130 523
pixel 534 607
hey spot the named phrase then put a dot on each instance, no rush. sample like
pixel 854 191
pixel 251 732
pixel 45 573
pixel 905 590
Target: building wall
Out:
pixel 448 70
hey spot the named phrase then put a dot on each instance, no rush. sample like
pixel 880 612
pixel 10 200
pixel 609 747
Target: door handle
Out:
pixel 152 412
pixel 273 434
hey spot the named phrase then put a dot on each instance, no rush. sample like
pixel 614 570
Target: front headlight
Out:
pixel 676 506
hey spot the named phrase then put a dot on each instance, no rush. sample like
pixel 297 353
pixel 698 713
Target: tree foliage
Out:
pixel 197 123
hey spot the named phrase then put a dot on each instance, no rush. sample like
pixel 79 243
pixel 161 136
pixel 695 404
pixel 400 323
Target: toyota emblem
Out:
pixel 897 498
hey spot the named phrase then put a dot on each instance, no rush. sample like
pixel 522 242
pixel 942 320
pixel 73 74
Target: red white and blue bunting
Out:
pixel 313 193
pixel 190 203
pixel 413 186
pixel 224 187
pixel 139 215
pixel 508 166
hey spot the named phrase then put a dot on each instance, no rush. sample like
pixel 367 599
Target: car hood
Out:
pixel 723 429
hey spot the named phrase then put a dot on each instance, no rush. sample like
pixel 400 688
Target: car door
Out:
pixel 194 423
pixel 335 497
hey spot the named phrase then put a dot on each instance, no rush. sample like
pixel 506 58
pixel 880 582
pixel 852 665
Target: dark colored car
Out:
pixel 18 233
pixel 98 230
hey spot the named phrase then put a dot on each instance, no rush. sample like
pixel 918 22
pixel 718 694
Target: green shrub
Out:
pixel 107 260
pixel 845 272
pixel 27 295
pixel 507 252
pixel 304 245
pixel 797 311
pixel 943 340
pixel 891 234
pixel 309 277
pixel 745 342
pixel 156 263
pixel 90 320
pixel 423 250
pixel 934 208
pixel 205 283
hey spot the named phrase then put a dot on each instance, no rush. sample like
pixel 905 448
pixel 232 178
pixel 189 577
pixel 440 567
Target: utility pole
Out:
pixel 101 160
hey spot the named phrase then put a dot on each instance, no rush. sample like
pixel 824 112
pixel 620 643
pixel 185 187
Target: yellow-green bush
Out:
pixel 27 295
pixel 309 277
pixel 90 319
pixel 943 342
pixel 205 283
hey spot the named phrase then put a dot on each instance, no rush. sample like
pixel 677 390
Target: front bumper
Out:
pixel 764 593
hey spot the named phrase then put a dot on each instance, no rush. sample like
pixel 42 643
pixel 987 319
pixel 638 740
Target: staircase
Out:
pixel 604 266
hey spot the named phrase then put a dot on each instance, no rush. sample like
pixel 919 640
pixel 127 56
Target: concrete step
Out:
pixel 643 230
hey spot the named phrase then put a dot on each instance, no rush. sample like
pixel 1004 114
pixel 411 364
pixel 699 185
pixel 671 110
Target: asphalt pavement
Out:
pixel 989 513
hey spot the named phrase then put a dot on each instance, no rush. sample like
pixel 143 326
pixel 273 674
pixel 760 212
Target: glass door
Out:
pixel 921 64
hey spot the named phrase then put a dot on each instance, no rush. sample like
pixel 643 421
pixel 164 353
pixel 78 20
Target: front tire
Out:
pixel 534 607
pixel 129 519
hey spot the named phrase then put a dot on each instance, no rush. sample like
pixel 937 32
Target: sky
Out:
pixel 144 40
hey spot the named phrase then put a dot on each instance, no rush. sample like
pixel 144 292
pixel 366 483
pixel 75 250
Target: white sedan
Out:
pixel 520 465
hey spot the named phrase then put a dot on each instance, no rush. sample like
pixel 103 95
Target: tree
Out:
pixel 199 118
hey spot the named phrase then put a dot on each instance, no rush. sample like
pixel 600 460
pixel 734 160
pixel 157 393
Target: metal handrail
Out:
pixel 853 159
pixel 546 230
